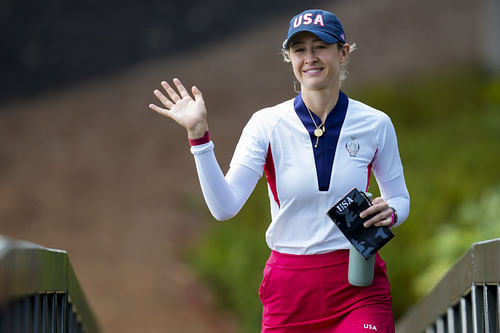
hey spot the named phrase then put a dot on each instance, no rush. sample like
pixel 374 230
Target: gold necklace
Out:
pixel 319 131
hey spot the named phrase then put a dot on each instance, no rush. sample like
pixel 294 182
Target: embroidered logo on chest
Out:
pixel 352 146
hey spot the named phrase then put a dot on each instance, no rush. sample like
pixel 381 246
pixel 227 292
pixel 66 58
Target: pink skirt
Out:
pixel 311 293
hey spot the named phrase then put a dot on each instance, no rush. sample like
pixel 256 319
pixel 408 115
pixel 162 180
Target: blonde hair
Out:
pixel 285 52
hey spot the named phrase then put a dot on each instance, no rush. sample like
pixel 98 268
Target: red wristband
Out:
pixel 204 139
pixel 392 223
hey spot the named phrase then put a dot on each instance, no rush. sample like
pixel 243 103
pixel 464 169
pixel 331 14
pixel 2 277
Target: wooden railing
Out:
pixel 466 300
pixel 39 291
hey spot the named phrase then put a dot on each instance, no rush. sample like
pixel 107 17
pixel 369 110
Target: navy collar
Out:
pixel 324 154
pixel 303 113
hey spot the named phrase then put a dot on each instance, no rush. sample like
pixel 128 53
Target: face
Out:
pixel 316 64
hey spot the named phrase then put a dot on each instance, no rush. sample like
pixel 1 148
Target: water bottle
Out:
pixel 360 270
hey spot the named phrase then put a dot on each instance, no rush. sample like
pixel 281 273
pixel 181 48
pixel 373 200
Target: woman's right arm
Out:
pixel 224 195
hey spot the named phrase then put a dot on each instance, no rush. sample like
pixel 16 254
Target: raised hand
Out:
pixel 187 111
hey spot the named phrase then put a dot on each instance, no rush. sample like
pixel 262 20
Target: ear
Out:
pixel 344 53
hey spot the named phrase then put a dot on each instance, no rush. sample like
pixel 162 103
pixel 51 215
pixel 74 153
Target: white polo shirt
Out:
pixel 304 182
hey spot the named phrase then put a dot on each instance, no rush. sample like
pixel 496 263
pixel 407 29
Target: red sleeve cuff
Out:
pixel 200 141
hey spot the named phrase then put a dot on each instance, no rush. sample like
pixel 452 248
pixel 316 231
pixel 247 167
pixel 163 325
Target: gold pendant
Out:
pixel 318 132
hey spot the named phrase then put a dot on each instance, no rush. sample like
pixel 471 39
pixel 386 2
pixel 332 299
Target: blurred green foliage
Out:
pixel 231 256
pixel 447 125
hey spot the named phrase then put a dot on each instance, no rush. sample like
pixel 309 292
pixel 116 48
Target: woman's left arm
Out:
pixel 393 206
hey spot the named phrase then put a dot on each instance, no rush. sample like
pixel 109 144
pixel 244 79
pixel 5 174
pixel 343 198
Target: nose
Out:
pixel 310 57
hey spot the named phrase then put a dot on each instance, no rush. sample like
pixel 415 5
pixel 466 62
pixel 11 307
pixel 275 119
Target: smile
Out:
pixel 313 70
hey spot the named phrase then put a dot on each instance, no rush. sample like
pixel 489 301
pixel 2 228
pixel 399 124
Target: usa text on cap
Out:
pixel 322 23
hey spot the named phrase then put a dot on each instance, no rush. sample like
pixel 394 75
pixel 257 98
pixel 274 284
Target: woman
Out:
pixel 313 149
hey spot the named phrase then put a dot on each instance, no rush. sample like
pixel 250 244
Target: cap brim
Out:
pixel 325 37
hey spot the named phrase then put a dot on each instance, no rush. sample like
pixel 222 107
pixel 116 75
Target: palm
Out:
pixel 187 111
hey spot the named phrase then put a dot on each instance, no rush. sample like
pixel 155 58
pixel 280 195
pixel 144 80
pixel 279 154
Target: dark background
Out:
pixel 48 44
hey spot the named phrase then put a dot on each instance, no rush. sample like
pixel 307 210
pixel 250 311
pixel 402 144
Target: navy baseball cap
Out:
pixel 322 23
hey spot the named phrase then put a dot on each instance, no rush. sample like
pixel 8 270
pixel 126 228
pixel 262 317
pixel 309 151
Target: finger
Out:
pixel 370 222
pixel 197 93
pixel 374 209
pixel 378 205
pixel 384 223
pixel 180 87
pixel 383 218
pixel 170 91
pixel 164 100
pixel 159 110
